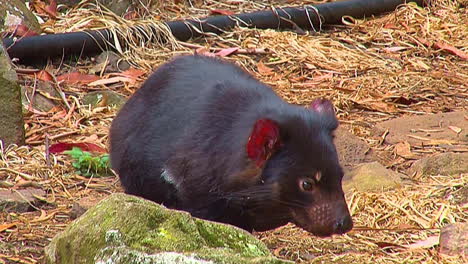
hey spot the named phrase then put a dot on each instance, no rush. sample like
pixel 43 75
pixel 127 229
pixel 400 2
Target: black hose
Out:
pixel 37 49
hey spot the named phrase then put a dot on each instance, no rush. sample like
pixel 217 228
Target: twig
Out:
pixel 47 152
pixel 22 175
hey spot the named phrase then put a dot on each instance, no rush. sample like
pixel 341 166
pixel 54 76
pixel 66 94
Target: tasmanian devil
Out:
pixel 204 136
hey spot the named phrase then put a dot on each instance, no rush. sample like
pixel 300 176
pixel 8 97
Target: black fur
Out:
pixel 193 118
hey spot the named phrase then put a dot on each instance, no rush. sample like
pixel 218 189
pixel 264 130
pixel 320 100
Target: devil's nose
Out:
pixel 343 225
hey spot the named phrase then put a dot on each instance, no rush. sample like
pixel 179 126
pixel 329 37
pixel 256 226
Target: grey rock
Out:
pixel 39 101
pixel 454 239
pixel 104 98
pixel 82 205
pixel 19 200
pixel 119 7
pixel 109 61
pixel 430 126
pixel 351 150
pixel 16 9
pixel 441 164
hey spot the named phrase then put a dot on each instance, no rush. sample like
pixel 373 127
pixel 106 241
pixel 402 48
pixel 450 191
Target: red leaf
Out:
pixel 226 52
pixel 424 42
pixel 390 26
pixel 22 31
pixel 132 73
pixel 263 69
pixel 451 49
pixel 51 9
pixel 205 52
pixel 221 12
pixel 394 49
pixel 426 243
pixel 263 141
pixel 76 77
pixel 4 227
pixel 389 247
pixel 132 15
pixel 44 75
pixel 61 147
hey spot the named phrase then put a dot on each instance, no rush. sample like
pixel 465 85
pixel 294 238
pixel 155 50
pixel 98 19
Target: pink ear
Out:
pixel 322 106
pixel 263 141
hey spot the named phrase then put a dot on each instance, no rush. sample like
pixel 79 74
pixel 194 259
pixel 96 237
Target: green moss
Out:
pixel 142 228
pixel 231 237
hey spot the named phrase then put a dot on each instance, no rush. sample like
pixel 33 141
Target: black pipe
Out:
pixel 39 48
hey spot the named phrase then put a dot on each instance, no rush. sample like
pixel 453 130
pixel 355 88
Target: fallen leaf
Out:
pixel 322 77
pixel 426 243
pixel 403 149
pixel 226 52
pixel 434 142
pixel 310 66
pixel 403 100
pixel 51 9
pixel 455 129
pixel 389 247
pixel 221 12
pixel 44 75
pixel 263 69
pixel 131 73
pixel 43 217
pixel 26 183
pixel 4 227
pixel 403 226
pixel 22 31
pixel 204 51
pixel 111 80
pixel 77 77
pixel 394 49
pixel 61 147
pixel 91 138
pixel 419 64
pixel 132 15
pixel 451 49
pixel 424 42
pixel 390 26
pixel 378 106
pixel 59 115
pixel 387 244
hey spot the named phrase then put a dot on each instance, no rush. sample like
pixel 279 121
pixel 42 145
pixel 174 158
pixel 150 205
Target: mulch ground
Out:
pixel 410 62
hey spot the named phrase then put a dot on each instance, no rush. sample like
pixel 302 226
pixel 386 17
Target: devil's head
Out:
pixel 300 164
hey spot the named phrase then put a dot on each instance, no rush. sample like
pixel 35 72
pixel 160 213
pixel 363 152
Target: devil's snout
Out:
pixel 343 224
pixel 325 219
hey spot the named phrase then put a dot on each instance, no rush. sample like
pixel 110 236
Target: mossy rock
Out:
pixel 103 98
pixel 128 229
pixel 441 164
pixel 371 177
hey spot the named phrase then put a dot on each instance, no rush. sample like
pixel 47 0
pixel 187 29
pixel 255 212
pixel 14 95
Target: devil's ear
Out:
pixel 263 141
pixel 324 108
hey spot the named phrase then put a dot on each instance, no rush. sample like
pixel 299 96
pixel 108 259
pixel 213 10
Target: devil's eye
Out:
pixel 307 185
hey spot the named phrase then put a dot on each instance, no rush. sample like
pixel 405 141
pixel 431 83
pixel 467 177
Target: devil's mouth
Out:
pixel 316 231
pixel 320 233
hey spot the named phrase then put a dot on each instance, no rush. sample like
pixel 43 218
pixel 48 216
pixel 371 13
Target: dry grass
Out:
pixel 373 70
